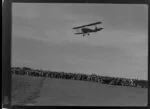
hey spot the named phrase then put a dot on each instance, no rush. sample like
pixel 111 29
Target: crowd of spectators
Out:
pixel 78 76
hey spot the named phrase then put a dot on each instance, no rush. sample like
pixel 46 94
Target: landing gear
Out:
pixel 85 34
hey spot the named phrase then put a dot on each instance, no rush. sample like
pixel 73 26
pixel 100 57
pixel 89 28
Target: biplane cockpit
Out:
pixel 85 30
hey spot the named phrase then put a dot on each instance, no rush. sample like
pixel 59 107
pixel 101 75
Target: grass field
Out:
pixel 44 92
pixel 25 89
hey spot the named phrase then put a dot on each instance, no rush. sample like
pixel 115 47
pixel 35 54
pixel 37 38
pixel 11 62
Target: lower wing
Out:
pixel 78 33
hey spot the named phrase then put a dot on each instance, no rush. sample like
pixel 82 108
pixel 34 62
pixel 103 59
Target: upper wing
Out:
pixel 93 24
pixel 87 25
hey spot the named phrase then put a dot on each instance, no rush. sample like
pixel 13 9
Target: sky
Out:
pixel 43 38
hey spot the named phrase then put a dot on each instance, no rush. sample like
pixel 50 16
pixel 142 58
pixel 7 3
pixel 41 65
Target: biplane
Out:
pixel 85 30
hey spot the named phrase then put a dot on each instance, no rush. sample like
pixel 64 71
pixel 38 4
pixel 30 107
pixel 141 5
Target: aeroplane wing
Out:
pixel 78 33
pixel 87 25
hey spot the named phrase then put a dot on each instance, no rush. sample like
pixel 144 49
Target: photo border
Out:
pixel 6 45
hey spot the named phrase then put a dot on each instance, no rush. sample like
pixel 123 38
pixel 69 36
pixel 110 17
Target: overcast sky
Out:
pixel 42 37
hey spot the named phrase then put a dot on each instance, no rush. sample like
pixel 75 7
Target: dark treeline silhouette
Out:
pixel 78 76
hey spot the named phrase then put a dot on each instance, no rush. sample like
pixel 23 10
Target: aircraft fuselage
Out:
pixel 87 30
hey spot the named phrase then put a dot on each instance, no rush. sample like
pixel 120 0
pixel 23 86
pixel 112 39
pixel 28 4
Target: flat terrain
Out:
pixel 25 88
pixel 50 91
